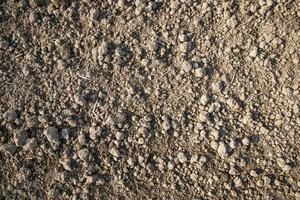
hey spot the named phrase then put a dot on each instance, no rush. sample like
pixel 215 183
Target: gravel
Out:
pixel 149 99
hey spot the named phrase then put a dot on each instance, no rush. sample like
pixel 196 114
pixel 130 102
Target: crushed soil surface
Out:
pixel 149 99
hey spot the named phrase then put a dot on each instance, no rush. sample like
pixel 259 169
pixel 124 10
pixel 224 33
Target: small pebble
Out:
pixel 222 149
pixel 10 115
pixel 30 144
pixel 83 154
pixel 20 137
pixel 246 141
pixel 52 135
pixel 115 152
pixel 9 148
pixel 185 47
pixel 253 53
pixel 187 66
pixel 182 157
pixel 94 14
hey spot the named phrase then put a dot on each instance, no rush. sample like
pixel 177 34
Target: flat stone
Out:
pixel 9 148
pixel 10 115
pixel 52 135
pixel 20 137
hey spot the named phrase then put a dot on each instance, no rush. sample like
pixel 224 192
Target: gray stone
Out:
pixel 10 115
pixel 52 135
pixel 9 148
pixel 20 137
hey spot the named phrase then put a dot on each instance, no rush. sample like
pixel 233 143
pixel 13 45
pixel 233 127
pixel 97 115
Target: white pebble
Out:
pixel 200 72
pixel 187 66
pixel 185 47
pixel 246 141
pixel 115 152
pixel 204 99
pixel 253 53
pixel 222 149
pixel 182 157
pixel 232 143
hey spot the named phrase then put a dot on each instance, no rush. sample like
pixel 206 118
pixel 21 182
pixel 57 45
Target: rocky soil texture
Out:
pixel 149 99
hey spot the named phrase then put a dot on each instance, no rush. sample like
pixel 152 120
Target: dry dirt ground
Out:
pixel 149 99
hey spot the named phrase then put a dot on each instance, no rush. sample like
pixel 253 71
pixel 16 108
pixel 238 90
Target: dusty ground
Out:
pixel 140 99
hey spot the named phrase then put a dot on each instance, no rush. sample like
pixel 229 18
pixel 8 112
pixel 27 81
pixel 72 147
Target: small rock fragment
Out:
pixel 182 157
pixel 115 152
pixel 187 66
pixel 67 164
pixel 33 17
pixel 91 179
pixel 200 72
pixel 216 134
pixel 233 144
pixel 222 149
pixel 66 133
pixel 9 148
pixel 204 99
pixel 217 86
pixel 10 115
pixel 20 137
pixel 52 135
pixel 214 145
pixel 61 64
pixel 194 158
pixel 26 71
pixel 103 49
pixel 232 22
pixel 94 14
pixel 185 47
pixel 283 165
pixel 119 135
pixel 30 144
pixel 83 154
pixel 253 53
pixel 253 173
pixel 166 124
pixel 246 141
pixel 95 132
pixel 238 182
